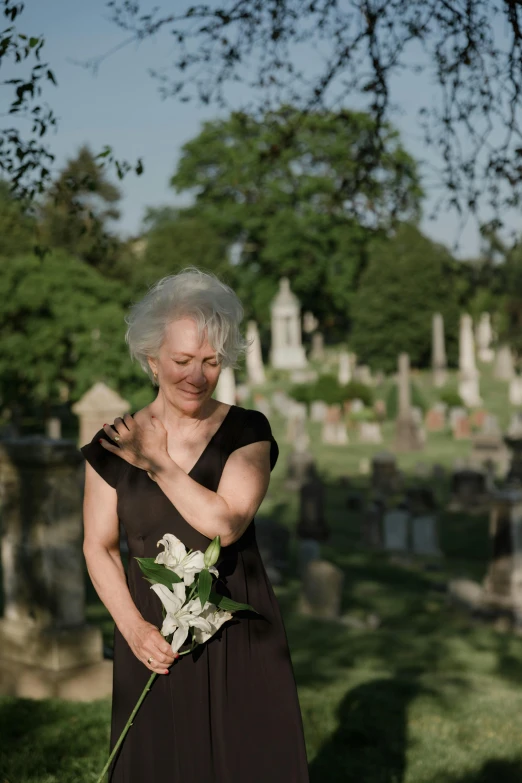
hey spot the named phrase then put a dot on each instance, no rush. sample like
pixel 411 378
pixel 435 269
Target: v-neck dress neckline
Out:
pixel 216 433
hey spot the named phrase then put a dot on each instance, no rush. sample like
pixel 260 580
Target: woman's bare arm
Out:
pixel 101 548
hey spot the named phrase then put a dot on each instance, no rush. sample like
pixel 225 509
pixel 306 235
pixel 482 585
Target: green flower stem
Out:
pixel 128 725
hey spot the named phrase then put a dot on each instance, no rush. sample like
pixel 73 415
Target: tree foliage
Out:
pixel 17 224
pixel 407 280
pixel 299 210
pixel 62 330
pixel 175 239
pixel 77 211
pixel 319 54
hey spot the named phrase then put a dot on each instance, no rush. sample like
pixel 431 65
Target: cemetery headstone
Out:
pixel 468 373
pixel 504 367
pixel 344 375
pixel 98 405
pixel 385 477
pixel 407 432
pixel 46 649
pixel 254 358
pixel 310 322
pixel 438 355
pixel 225 390
pixel 370 432
pixel 468 490
pixel 503 582
pixel 322 588
pixel 396 530
pixel 424 535
pixel 334 429
pixel 318 410
pixel 287 351
pixel 317 350
pixel 312 528
pixel 515 390
pixel 485 338
pixel 435 419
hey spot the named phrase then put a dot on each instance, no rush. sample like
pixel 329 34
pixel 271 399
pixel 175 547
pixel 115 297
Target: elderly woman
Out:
pixel 192 466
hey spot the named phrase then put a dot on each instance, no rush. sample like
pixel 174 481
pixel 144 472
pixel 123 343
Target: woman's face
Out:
pixel 188 370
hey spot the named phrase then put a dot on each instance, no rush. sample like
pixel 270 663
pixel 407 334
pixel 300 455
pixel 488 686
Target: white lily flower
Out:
pixel 215 618
pixel 180 617
pixel 176 558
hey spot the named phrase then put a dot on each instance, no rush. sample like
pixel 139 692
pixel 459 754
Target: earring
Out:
pixel 155 374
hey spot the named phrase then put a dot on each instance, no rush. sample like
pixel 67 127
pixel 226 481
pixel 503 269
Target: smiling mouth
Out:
pixel 194 394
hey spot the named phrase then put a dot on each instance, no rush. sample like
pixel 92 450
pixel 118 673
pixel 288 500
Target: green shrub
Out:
pixel 327 388
pixel 451 397
pixel 392 403
pixel 355 390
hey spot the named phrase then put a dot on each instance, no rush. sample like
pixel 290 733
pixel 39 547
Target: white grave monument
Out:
pixel 485 338
pixel 225 390
pixel 254 359
pixel 287 352
pixel 515 390
pixel 469 377
pixel 438 359
pixel 344 375
pixel 504 368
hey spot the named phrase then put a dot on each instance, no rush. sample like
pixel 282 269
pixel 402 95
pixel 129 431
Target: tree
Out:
pixel 299 211
pixel 317 54
pixel 174 239
pixel 17 224
pixel 25 160
pixel 62 326
pixel 407 280
pixel 77 210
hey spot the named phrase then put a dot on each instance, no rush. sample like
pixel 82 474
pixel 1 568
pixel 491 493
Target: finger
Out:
pixel 158 668
pixel 112 432
pixel 128 421
pixel 160 659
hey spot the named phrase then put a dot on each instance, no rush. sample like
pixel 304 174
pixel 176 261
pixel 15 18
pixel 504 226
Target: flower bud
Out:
pixel 212 553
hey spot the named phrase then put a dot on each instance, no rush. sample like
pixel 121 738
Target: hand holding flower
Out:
pixel 147 642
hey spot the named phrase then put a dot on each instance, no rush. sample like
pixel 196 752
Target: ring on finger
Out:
pixel 116 438
pixel 149 660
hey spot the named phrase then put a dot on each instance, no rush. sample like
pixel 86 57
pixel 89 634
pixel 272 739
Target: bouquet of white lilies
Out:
pixel 183 582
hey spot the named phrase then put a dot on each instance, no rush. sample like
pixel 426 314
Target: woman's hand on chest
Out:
pixel 142 443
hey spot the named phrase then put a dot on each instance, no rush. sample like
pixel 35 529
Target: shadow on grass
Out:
pixel 493 771
pixel 371 739
pixel 52 740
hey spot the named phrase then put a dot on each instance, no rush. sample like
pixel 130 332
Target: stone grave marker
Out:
pixel 98 405
pixel 46 648
pixel 334 428
pixel 318 410
pixel 424 535
pixel 370 432
pixel 435 419
pixel 322 588
pixel 254 358
pixel 286 350
pixel 438 354
pixel 396 530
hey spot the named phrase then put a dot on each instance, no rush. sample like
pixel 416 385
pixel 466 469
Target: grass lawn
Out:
pixel 428 697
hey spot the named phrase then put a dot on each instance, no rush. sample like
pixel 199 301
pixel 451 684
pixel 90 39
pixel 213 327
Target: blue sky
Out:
pixel 121 107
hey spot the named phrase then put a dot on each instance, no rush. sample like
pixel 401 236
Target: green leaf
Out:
pixel 156 573
pixel 228 605
pixel 204 585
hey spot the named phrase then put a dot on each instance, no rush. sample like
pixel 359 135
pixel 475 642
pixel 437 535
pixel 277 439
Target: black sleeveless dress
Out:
pixel 228 712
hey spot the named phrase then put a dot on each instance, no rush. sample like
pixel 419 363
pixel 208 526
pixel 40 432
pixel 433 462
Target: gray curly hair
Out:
pixel 191 293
